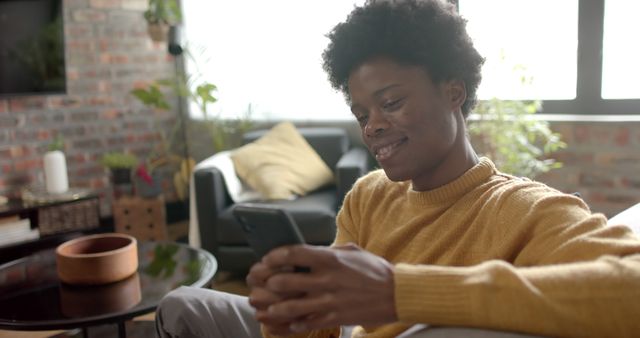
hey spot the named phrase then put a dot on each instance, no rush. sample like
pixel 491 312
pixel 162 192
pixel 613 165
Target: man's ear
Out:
pixel 457 93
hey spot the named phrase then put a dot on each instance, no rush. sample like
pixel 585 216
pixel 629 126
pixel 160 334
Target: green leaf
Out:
pixel 204 91
pixel 152 96
pixel 163 262
pixel 517 142
pixel 57 144
pixel 116 160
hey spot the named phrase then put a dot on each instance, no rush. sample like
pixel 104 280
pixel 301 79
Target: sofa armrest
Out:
pixel 629 217
pixel 353 164
pixel 211 199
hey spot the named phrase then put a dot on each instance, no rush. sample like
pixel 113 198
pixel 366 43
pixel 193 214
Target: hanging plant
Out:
pixel 161 15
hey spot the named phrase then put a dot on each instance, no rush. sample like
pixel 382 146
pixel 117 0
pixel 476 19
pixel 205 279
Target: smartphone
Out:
pixel 267 227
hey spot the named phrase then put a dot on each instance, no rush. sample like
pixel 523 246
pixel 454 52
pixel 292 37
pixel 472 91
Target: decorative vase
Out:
pixel 55 172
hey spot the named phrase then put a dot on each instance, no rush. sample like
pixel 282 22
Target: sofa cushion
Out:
pixel 281 163
pixel 314 214
pixel 330 143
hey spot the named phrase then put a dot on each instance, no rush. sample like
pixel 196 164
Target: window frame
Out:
pixel 588 100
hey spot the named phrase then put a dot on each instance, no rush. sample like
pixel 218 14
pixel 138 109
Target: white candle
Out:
pixel 55 172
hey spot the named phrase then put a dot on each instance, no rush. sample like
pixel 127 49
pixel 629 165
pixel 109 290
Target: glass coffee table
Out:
pixel 32 298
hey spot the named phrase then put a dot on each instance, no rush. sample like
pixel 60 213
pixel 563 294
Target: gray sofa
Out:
pixel 314 213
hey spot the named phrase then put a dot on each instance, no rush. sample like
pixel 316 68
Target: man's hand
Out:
pixel 261 298
pixel 346 285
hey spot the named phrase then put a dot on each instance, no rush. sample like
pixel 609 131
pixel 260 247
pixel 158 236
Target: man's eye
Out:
pixel 391 105
pixel 362 119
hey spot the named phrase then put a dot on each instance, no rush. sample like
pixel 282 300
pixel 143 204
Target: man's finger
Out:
pixel 301 283
pixel 258 274
pixel 296 308
pixel 261 298
pixel 299 255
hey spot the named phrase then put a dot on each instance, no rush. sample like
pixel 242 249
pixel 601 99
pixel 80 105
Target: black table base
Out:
pixel 132 329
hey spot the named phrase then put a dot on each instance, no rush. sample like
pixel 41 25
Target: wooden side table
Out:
pixel 57 220
pixel 56 213
pixel 142 218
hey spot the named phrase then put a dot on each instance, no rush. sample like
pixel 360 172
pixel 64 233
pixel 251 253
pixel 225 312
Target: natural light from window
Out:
pixel 266 54
pixel 534 40
pixel 621 52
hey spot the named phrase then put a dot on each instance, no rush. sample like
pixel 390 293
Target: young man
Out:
pixel 439 237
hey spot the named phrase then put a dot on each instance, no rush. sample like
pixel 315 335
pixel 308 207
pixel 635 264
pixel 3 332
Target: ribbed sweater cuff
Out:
pixel 431 295
pixel 330 333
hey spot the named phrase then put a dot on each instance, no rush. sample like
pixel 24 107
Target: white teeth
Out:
pixel 387 151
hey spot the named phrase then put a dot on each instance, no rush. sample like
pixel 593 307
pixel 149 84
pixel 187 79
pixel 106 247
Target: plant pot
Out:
pixel 121 176
pixel 146 189
pixel 158 32
pixel 121 180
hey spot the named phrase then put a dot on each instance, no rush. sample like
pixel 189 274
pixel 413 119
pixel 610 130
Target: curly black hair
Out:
pixel 426 33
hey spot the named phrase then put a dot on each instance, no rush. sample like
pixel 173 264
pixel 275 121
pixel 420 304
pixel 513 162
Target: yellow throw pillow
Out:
pixel 281 163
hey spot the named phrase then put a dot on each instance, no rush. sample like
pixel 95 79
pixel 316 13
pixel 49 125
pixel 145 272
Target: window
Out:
pixel 621 53
pixel 577 55
pixel 523 58
pixel 266 54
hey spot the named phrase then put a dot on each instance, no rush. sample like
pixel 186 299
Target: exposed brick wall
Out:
pixel 108 53
pixel 602 163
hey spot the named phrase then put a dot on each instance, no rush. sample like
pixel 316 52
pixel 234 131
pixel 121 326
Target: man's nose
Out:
pixel 376 124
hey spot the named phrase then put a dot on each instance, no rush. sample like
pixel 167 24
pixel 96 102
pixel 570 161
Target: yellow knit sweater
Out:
pixel 490 250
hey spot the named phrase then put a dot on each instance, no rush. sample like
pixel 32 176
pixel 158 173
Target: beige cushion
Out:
pixel 281 164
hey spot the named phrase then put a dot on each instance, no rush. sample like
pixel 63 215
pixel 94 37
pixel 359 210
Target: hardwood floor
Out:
pixel 143 325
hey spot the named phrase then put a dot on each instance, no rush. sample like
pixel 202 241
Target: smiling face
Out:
pixel 413 127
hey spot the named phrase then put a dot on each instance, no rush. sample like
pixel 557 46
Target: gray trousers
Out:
pixel 193 312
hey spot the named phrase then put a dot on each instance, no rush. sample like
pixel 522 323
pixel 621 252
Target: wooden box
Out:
pixel 142 218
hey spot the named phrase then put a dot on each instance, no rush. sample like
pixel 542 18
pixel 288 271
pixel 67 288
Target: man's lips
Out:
pixel 383 151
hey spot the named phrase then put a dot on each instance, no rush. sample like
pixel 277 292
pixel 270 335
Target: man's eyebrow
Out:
pixel 383 89
pixel 377 93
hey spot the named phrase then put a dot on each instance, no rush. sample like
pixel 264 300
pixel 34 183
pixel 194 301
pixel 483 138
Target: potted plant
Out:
pixel 148 175
pixel 161 15
pixel 517 141
pixel 120 166
pixel 147 181
pixel 163 152
pixel 201 94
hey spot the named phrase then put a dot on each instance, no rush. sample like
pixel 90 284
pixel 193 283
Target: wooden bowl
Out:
pixel 97 259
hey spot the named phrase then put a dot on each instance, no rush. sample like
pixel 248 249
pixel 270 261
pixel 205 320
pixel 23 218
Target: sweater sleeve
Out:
pixel 345 223
pixel 589 299
pixel 328 333
pixel 573 277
